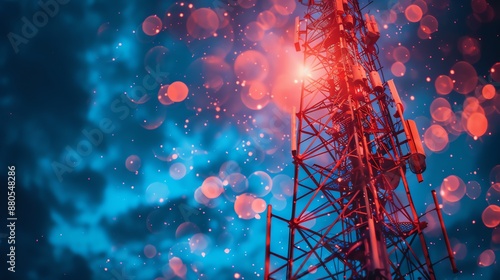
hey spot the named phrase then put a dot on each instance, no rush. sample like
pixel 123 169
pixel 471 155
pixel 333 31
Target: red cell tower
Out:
pixel 353 216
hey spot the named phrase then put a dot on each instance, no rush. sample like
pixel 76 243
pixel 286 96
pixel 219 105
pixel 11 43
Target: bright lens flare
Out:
pixel 305 72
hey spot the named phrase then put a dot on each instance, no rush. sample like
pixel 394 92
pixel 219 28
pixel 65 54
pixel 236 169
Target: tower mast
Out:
pixel 352 216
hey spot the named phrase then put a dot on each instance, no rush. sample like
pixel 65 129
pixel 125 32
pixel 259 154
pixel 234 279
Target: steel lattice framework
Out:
pixel 351 153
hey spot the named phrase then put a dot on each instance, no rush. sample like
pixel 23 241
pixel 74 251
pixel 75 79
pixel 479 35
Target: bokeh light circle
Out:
pixel 491 216
pixel 488 91
pixel 200 197
pixel 473 189
pixel 202 23
pixel 238 182
pixel 246 4
pixel 471 105
pixel 452 188
pixel 163 95
pixel 429 24
pixel 199 243
pixel 479 6
pixel 152 25
pixel 259 205
pixel 177 91
pixel 149 251
pixel 133 163
pixel 149 115
pixel 460 251
pixel 177 267
pixel 422 4
pixel 401 54
pixel 254 31
pixel 259 183
pixel 493 194
pixel 212 187
pixel 157 193
pixel 398 69
pixel 177 171
pixel 495 235
pixel 267 19
pixel 477 124
pixel 413 13
pixel 278 203
pixel 234 184
pixel 443 84
pixel 284 7
pixel 441 110
pixel 464 76
pixel 251 66
pixel 495 174
pixel 243 206
pixel 256 96
pixel 470 48
pixel 228 167
pixel 486 258
pixel 436 138
pixel 157 221
pixel 451 208
pixel 495 72
pixel 186 229
pixel 282 185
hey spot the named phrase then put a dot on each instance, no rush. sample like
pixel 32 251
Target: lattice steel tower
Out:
pixel 352 214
